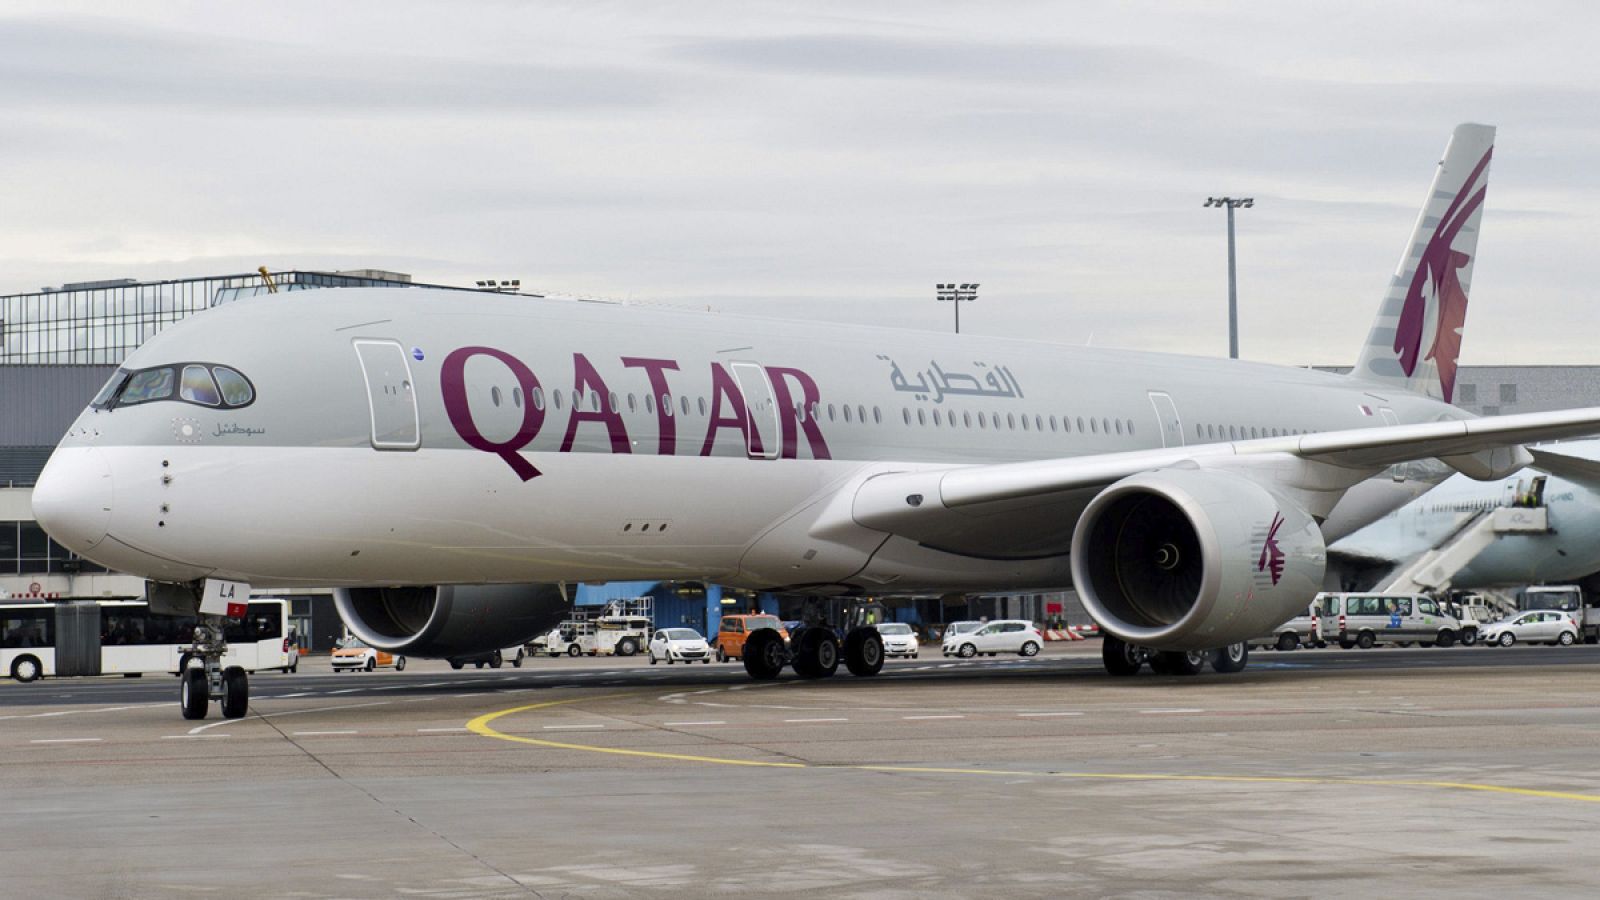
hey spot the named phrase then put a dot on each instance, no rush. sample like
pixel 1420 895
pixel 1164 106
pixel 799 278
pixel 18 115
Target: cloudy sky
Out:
pixel 826 160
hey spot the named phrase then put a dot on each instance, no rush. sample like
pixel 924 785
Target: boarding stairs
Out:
pixel 1433 571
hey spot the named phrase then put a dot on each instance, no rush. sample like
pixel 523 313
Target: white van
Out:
pixel 1363 619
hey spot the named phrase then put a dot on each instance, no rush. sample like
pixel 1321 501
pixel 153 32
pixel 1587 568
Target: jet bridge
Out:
pixel 1433 571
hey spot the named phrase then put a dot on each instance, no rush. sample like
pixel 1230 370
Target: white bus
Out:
pixel 121 637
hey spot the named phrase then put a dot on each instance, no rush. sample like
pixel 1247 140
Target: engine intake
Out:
pixel 450 620
pixel 1190 559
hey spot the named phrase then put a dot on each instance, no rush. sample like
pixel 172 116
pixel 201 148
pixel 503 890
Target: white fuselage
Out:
pixel 416 437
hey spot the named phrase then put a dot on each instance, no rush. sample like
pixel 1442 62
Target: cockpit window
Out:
pixel 202 384
pixel 146 386
pixel 236 391
pixel 103 399
pixel 197 387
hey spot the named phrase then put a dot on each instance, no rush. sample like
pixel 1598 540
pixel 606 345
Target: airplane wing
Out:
pixel 1029 508
pixel 1573 468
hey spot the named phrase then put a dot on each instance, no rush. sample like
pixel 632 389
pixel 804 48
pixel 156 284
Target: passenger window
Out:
pixel 1427 606
pixel 236 389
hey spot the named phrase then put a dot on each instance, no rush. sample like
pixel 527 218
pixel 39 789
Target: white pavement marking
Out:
pixel 293 712
pixel 802 721
pixel 347 691
pixel 73 712
pixel 171 737
pixel 290 696
pixel 434 684
pixel 67 741
pixel 1041 715
pixel 1168 712
pixel 909 718
pixel 318 733
pixel 438 730
pixel 687 724
pixel 569 727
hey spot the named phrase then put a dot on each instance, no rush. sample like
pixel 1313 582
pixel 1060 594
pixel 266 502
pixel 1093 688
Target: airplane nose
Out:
pixel 73 497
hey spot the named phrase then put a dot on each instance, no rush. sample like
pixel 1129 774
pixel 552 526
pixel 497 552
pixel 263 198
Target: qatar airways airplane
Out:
pixel 434 454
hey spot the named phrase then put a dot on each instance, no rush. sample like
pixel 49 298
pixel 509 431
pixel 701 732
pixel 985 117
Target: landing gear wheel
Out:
pixel 863 651
pixel 574 651
pixel 967 651
pixel 764 655
pixel 1181 662
pixel 26 668
pixel 496 661
pixel 193 696
pixel 816 653
pixel 1365 640
pixel 1230 659
pixel 1507 639
pixel 1120 657
pixel 1287 642
pixel 183 664
pixel 235 693
pixel 627 647
pixel 399 663
pixel 1566 639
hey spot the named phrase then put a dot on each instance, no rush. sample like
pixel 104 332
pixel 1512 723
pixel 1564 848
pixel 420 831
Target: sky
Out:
pixel 819 160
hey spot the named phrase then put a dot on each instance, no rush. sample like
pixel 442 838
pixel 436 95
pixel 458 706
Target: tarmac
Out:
pixel 1467 771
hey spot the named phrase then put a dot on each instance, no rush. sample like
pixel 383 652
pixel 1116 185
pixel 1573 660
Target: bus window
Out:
pixel 27 627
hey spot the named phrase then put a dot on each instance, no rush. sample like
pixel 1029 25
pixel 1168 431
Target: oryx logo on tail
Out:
pixel 1436 296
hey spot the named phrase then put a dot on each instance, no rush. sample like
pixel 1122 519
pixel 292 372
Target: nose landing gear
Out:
pixel 204 679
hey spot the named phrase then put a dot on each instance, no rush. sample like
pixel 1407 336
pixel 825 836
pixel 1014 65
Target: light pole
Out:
pixel 1233 278
pixel 957 294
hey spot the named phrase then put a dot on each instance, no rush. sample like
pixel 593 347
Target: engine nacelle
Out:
pixel 1189 559
pixel 450 620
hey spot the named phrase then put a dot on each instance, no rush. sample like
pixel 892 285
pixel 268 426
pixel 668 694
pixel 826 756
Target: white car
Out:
pixel 679 645
pixel 898 640
pixel 1001 636
pixel 1534 627
pixel 963 627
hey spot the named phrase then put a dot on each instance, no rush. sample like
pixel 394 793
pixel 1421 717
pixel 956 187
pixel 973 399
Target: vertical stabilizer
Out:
pixel 1416 338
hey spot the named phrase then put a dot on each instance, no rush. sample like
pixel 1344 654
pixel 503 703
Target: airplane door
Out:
pixel 1167 413
pixel 760 409
pixel 391 397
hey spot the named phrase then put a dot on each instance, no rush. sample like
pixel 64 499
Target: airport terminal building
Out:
pixel 58 346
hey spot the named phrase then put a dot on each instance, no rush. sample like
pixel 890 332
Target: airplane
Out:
pixel 1568 552
pixel 432 458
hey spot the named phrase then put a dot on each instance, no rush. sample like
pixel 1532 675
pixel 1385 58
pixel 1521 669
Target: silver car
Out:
pixel 1533 627
pixel 898 640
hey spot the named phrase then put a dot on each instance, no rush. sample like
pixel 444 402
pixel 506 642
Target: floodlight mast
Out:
pixel 957 294
pixel 1231 204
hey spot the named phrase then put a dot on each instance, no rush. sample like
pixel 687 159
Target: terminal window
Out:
pixel 1508 394
pixel 1469 393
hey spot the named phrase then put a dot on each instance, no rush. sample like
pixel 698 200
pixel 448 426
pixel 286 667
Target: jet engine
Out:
pixel 1190 559
pixel 450 620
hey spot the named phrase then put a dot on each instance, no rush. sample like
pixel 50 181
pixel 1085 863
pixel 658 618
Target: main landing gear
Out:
pixel 1123 658
pixel 204 679
pixel 814 652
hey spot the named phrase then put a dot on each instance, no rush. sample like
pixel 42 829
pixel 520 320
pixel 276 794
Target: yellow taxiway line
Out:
pixel 482 725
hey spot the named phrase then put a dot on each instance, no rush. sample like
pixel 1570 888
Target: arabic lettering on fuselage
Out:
pixel 936 383
pixel 238 429
pixel 792 390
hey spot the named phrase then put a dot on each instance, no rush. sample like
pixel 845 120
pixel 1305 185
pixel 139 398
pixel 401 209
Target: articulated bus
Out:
pixel 122 637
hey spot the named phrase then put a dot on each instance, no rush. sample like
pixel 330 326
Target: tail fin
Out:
pixel 1416 338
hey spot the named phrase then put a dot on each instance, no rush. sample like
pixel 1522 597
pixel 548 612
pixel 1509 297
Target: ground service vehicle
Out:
pixel 1362 620
pixel 1301 631
pixel 494 659
pixel 1568 598
pixel 734 630
pixel 1000 636
pixel 107 637
pixel 679 645
pixel 1533 627
pixel 355 655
